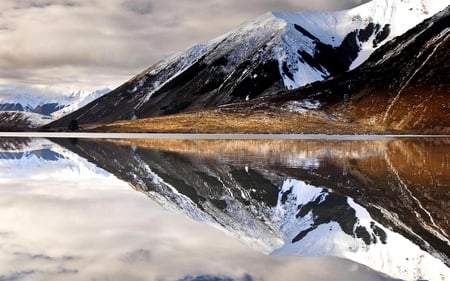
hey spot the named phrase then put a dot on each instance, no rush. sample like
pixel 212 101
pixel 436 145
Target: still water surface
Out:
pixel 197 209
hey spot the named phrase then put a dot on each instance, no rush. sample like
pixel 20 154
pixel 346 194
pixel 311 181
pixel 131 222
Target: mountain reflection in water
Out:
pixel 381 203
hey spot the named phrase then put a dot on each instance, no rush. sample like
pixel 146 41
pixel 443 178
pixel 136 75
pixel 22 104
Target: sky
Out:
pixel 63 45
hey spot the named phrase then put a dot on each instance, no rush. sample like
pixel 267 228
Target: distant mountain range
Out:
pixel 35 110
pixel 280 54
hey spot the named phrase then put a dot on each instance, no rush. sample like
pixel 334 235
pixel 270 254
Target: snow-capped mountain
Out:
pixel 357 200
pixel 77 100
pixel 55 106
pixel 274 52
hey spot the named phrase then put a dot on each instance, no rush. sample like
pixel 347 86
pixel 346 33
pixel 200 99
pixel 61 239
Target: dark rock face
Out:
pixel 44 109
pixel 48 108
pixel 337 60
pixel 11 107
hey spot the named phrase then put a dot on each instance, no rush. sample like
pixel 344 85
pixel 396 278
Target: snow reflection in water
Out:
pixel 61 215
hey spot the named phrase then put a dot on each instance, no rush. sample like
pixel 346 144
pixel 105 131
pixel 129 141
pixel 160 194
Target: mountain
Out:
pixel 402 88
pixel 273 53
pixel 369 201
pixel 55 106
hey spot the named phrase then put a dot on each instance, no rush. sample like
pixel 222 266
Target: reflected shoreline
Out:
pixel 93 135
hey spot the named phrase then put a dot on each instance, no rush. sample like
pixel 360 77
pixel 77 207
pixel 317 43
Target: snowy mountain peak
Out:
pixel 77 100
pixel 57 106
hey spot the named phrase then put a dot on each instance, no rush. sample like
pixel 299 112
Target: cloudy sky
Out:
pixel 70 44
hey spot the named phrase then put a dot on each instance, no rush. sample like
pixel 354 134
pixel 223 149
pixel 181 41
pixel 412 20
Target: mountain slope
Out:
pixel 276 51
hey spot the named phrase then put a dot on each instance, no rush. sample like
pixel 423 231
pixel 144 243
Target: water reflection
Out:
pixel 67 219
pixel 378 202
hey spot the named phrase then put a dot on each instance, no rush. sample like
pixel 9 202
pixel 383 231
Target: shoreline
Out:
pixel 97 135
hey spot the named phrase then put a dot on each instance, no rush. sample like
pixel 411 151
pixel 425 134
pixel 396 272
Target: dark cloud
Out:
pixel 18 275
pixel 138 256
pixel 141 7
pixel 41 4
pixel 215 278
pixel 27 274
pixel 44 257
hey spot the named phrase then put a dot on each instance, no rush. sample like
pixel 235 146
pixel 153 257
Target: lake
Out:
pixel 224 207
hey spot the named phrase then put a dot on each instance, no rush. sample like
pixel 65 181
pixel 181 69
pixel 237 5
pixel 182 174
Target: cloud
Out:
pixel 138 256
pixel 43 257
pixel 215 278
pixel 142 7
pixel 41 4
pixel 20 275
